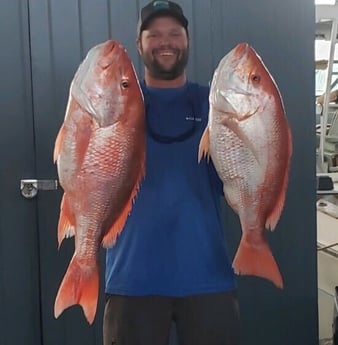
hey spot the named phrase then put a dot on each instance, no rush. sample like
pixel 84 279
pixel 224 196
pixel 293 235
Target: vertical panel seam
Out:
pixel 109 19
pixel 41 333
pixel 80 29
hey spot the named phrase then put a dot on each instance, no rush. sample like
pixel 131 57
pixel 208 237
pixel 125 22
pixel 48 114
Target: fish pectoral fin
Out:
pixel 84 133
pixel 257 260
pixel 66 226
pixel 233 125
pixel 203 150
pixel 80 285
pixel 110 237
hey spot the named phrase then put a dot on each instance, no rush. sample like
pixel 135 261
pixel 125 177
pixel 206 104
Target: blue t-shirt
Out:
pixel 173 241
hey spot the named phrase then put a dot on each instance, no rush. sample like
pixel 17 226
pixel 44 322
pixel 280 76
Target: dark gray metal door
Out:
pixel 37 62
pixel 19 249
pixel 43 43
pixel 61 33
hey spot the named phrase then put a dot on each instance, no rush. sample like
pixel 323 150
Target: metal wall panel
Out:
pixel 19 247
pixel 61 33
pixel 282 33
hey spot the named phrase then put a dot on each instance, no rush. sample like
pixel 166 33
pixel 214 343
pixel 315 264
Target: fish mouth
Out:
pixel 235 114
pixel 111 53
pixel 224 96
pixel 110 45
pixel 236 91
pixel 241 49
pixel 241 58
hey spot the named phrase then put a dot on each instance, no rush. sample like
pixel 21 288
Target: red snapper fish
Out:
pixel 100 154
pixel 249 141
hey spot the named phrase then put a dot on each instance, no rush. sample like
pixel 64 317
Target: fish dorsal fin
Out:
pixel 276 212
pixel 111 235
pixel 66 226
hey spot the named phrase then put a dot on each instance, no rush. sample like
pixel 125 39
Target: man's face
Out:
pixel 164 48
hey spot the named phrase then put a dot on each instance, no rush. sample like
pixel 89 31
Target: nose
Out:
pixel 165 40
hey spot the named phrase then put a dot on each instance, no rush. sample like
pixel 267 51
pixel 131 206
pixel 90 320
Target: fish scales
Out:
pixel 249 141
pixel 100 154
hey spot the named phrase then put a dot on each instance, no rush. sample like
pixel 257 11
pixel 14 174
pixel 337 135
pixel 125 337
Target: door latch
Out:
pixel 29 188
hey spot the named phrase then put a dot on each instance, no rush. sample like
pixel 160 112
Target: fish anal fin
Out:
pixel 273 218
pixel 257 260
pixel 203 150
pixel 66 224
pixel 110 237
pixel 80 285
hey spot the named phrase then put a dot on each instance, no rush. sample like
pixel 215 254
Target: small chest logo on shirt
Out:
pixel 193 118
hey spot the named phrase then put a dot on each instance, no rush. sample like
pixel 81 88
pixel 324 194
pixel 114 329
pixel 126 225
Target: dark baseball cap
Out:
pixel 158 8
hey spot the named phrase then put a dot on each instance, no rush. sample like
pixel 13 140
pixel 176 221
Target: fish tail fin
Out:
pixel 79 286
pixel 257 261
pixel 203 150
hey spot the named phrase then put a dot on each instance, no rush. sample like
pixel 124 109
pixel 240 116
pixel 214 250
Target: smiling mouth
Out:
pixel 165 52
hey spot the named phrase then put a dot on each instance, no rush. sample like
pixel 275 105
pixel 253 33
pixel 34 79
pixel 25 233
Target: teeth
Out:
pixel 166 53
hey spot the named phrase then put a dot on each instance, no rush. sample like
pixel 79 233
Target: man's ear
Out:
pixel 138 45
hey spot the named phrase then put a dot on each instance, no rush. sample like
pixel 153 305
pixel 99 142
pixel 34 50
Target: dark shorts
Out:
pixel 208 319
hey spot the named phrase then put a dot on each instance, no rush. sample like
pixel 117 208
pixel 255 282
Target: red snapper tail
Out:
pixel 80 285
pixel 257 260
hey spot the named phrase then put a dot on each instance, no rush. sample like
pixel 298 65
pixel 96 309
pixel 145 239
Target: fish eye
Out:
pixel 125 83
pixel 255 78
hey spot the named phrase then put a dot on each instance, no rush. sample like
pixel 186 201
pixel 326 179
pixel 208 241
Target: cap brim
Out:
pixel 163 13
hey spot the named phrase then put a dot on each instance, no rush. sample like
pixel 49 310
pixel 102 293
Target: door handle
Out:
pixel 29 188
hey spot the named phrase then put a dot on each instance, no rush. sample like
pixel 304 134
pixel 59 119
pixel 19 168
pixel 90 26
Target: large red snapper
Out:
pixel 100 154
pixel 249 141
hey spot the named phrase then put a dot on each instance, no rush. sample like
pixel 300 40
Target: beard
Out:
pixel 158 71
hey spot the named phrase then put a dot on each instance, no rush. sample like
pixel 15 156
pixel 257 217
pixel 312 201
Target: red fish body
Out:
pixel 249 141
pixel 100 154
